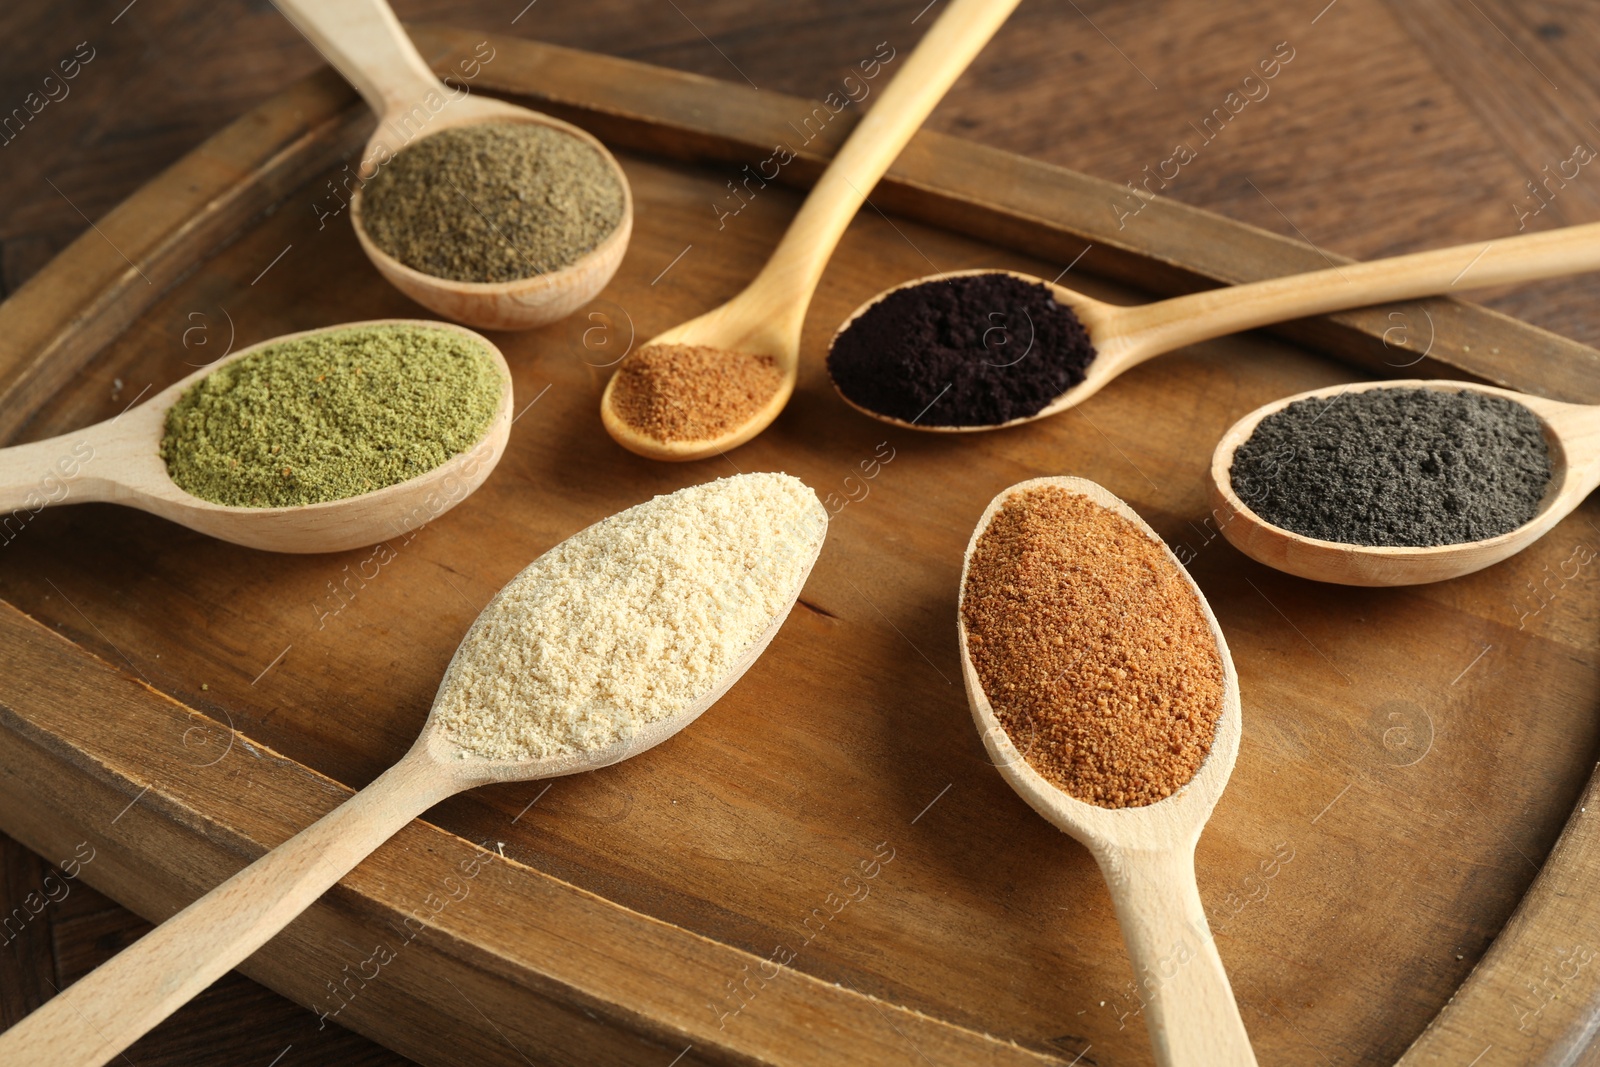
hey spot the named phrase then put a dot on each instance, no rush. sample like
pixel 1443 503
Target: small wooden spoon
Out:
pixel 106 1011
pixel 364 41
pixel 765 319
pixel 119 461
pixel 1126 336
pixel 1572 432
pixel 1145 853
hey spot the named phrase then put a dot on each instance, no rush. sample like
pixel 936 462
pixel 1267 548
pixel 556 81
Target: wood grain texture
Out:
pixel 428 874
pixel 155 241
pixel 1051 213
pixel 97 1017
pixel 1375 112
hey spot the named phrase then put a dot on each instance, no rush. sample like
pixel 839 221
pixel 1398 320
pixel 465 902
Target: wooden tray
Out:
pixel 1401 862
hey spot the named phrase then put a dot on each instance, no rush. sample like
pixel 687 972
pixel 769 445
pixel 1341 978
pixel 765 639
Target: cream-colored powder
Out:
pixel 631 620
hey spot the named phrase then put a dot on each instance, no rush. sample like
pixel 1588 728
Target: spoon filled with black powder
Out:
pixel 1401 483
pixel 1414 467
pixel 985 349
pixel 979 349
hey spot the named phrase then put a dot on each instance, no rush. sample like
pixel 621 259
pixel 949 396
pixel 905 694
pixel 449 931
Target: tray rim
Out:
pixel 57 321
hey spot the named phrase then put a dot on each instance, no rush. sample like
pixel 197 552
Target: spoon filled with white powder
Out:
pixel 606 645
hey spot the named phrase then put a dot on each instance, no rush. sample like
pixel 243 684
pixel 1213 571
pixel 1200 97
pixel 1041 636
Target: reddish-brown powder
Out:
pixel 691 392
pixel 1092 648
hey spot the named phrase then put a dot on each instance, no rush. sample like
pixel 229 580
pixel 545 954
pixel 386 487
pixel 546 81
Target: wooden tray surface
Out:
pixel 1410 762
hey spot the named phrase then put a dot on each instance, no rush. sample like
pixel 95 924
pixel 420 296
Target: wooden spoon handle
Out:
pixel 106 1011
pixel 784 287
pixel 1188 1003
pixel 53 471
pixel 1168 324
pixel 364 41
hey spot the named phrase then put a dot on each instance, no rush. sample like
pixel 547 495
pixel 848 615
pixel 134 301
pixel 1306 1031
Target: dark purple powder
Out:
pixel 973 350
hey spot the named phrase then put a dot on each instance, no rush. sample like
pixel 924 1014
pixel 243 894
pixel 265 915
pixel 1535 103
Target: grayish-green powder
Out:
pixel 331 415
pixel 1399 467
pixel 493 202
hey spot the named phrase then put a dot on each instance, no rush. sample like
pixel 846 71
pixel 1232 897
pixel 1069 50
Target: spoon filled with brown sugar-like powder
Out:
pixel 716 381
pixel 1103 689
pixel 608 644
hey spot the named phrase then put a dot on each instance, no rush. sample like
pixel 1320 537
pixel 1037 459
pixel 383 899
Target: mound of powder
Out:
pixel 692 392
pixel 631 620
pixel 973 350
pixel 330 415
pixel 1092 648
pixel 1410 467
pixel 493 202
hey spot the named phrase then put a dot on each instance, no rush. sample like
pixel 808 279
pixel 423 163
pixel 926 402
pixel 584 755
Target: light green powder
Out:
pixel 331 415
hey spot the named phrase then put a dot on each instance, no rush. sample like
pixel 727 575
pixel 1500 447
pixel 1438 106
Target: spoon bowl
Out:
pixel 1125 336
pixel 1145 853
pixel 1114 352
pixel 745 324
pixel 364 41
pixel 102 1013
pixel 765 319
pixel 523 303
pixel 1571 431
pixel 119 461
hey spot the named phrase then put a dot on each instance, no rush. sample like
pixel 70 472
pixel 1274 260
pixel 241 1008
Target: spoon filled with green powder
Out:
pixel 487 213
pixel 1403 482
pixel 606 645
pixel 311 442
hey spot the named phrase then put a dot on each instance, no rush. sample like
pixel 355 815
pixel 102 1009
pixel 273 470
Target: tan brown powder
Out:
pixel 691 392
pixel 1092 648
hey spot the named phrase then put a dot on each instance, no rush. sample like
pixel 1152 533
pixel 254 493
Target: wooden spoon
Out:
pixel 1145 853
pixel 765 319
pixel 1126 336
pixel 104 1012
pixel 364 41
pixel 1572 432
pixel 119 461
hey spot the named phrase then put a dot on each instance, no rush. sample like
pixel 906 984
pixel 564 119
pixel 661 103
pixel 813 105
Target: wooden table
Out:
pixel 1392 126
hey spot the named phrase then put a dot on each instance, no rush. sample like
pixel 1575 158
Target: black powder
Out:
pixel 1395 467
pixel 973 350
